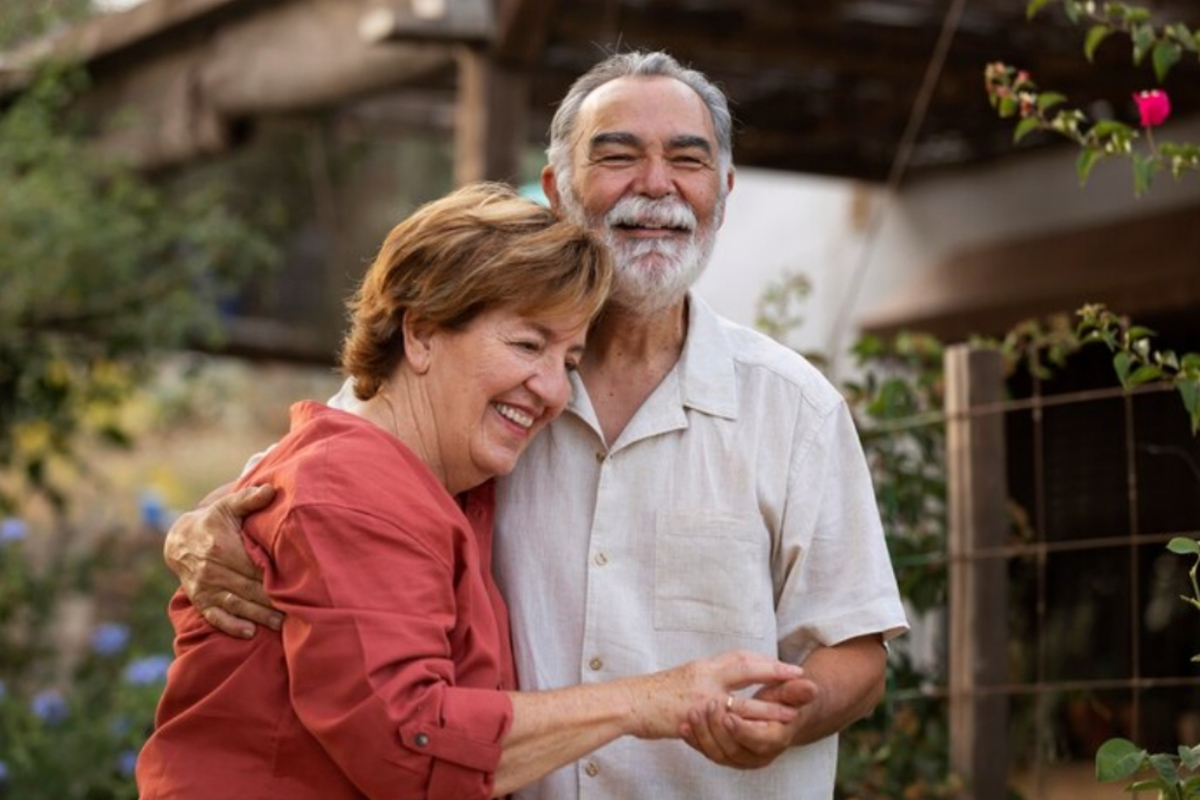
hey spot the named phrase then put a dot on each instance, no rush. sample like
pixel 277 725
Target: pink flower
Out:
pixel 1154 106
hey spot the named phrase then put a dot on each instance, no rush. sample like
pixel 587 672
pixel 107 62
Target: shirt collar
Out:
pixel 705 371
pixel 706 368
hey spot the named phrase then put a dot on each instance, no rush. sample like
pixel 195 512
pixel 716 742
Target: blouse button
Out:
pixel 421 739
pixel 595 664
pixel 592 769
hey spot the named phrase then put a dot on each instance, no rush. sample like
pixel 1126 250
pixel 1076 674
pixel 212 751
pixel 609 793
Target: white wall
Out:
pixel 777 221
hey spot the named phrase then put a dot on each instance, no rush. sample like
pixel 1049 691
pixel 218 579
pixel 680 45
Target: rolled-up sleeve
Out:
pixel 372 623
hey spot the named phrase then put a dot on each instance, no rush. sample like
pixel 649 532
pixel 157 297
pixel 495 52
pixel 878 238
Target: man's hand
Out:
pixel 732 741
pixel 842 684
pixel 204 548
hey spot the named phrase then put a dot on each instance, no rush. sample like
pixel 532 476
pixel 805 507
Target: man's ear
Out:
pixel 418 344
pixel 728 189
pixel 550 188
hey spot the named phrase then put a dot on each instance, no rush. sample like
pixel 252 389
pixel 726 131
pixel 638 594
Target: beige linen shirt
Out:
pixel 734 511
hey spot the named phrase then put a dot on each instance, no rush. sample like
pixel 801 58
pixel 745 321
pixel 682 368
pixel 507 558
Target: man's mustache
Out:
pixel 633 211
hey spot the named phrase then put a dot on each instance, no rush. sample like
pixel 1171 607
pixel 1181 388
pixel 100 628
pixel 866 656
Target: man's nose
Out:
pixel 654 178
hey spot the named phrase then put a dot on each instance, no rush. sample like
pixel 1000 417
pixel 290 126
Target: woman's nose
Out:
pixel 552 386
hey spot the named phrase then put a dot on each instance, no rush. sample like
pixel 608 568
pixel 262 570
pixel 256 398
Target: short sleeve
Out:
pixel 836 575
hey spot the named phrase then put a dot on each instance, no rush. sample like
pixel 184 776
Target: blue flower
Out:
pixel 3 773
pixel 3 690
pixel 127 762
pixel 148 670
pixel 109 638
pixel 154 513
pixel 13 529
pixel 49 706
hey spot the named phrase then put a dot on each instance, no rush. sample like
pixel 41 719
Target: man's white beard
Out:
pixel 651 274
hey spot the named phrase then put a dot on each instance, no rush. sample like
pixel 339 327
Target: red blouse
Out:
pixel 386 679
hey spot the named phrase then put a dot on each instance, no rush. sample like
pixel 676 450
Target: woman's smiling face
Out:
pixel 493 385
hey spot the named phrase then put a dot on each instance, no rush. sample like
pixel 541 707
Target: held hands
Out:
pixel 726 735
pixel 661 703
pixel 204 548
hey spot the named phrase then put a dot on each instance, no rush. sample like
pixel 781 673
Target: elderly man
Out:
pixel 704 490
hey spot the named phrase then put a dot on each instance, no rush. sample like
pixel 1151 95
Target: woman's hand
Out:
pixel 661 702
pixel 204 548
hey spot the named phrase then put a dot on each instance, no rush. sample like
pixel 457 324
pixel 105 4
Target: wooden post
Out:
pixel 490 119
pixel 977 496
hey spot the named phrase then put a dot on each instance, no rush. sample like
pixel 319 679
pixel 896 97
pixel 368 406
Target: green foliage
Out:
pixel 72 731
pixel 897 403
pixel 1042 345
pixel 102 271
pixel 1013 93
pixel 21 20
pixel 901 383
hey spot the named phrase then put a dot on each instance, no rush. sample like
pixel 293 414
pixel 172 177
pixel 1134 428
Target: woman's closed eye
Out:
pixel 531 346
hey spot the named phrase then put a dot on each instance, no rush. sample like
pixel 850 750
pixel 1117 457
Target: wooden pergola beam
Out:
pixel 490 120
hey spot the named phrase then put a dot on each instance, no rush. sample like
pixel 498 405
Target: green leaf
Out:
pixel 1143 174
pixel 1189 756
pixel 1086 161
pixel 1136 14
pixel 1144 374
pixel 1166 55
pixel 1008 106
pixel 1183 36
pixel 1121 363
pixel 1143 40
pixel 1109 127
pixel 1184 546
pixel 1024 128
pixel 1139 332
pixel 1048 100
pixel 1035 6
pixel 1164 765
pixel 1095 36
pixel 1190 361
pixel 1117 759
pixel 1189 390
pixel 1072 9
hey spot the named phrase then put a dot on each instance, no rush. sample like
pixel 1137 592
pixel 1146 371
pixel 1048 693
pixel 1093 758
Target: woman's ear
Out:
pixel 418 343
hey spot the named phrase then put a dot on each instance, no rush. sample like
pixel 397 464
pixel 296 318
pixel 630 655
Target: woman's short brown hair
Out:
pixel 480 247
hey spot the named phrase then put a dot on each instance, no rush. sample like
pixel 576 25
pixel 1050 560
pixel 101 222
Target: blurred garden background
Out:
pixel 190 188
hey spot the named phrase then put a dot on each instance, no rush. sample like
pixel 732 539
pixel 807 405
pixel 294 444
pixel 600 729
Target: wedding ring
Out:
pixel 225 600
pixel 729 703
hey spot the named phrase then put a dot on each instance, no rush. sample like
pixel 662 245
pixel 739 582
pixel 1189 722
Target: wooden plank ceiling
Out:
pixel 827 86
pixel 818 86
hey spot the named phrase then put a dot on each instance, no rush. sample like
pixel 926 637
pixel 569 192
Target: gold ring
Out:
pixel 729 703
pixel 227 598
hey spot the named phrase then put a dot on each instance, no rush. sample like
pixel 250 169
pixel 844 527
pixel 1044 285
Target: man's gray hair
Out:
pixel 642 65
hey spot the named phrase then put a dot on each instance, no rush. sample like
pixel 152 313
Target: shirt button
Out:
pixel 421 739
pixel 600 559
pixel 596 664
pixel 600 456
pixel 592 769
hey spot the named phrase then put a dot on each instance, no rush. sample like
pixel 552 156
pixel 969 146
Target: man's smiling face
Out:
pixel 645 173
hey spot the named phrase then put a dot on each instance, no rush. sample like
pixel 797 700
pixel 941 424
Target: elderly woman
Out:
pixel 392 675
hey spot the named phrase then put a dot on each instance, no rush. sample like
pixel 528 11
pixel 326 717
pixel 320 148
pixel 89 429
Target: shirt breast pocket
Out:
pixel 711 574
